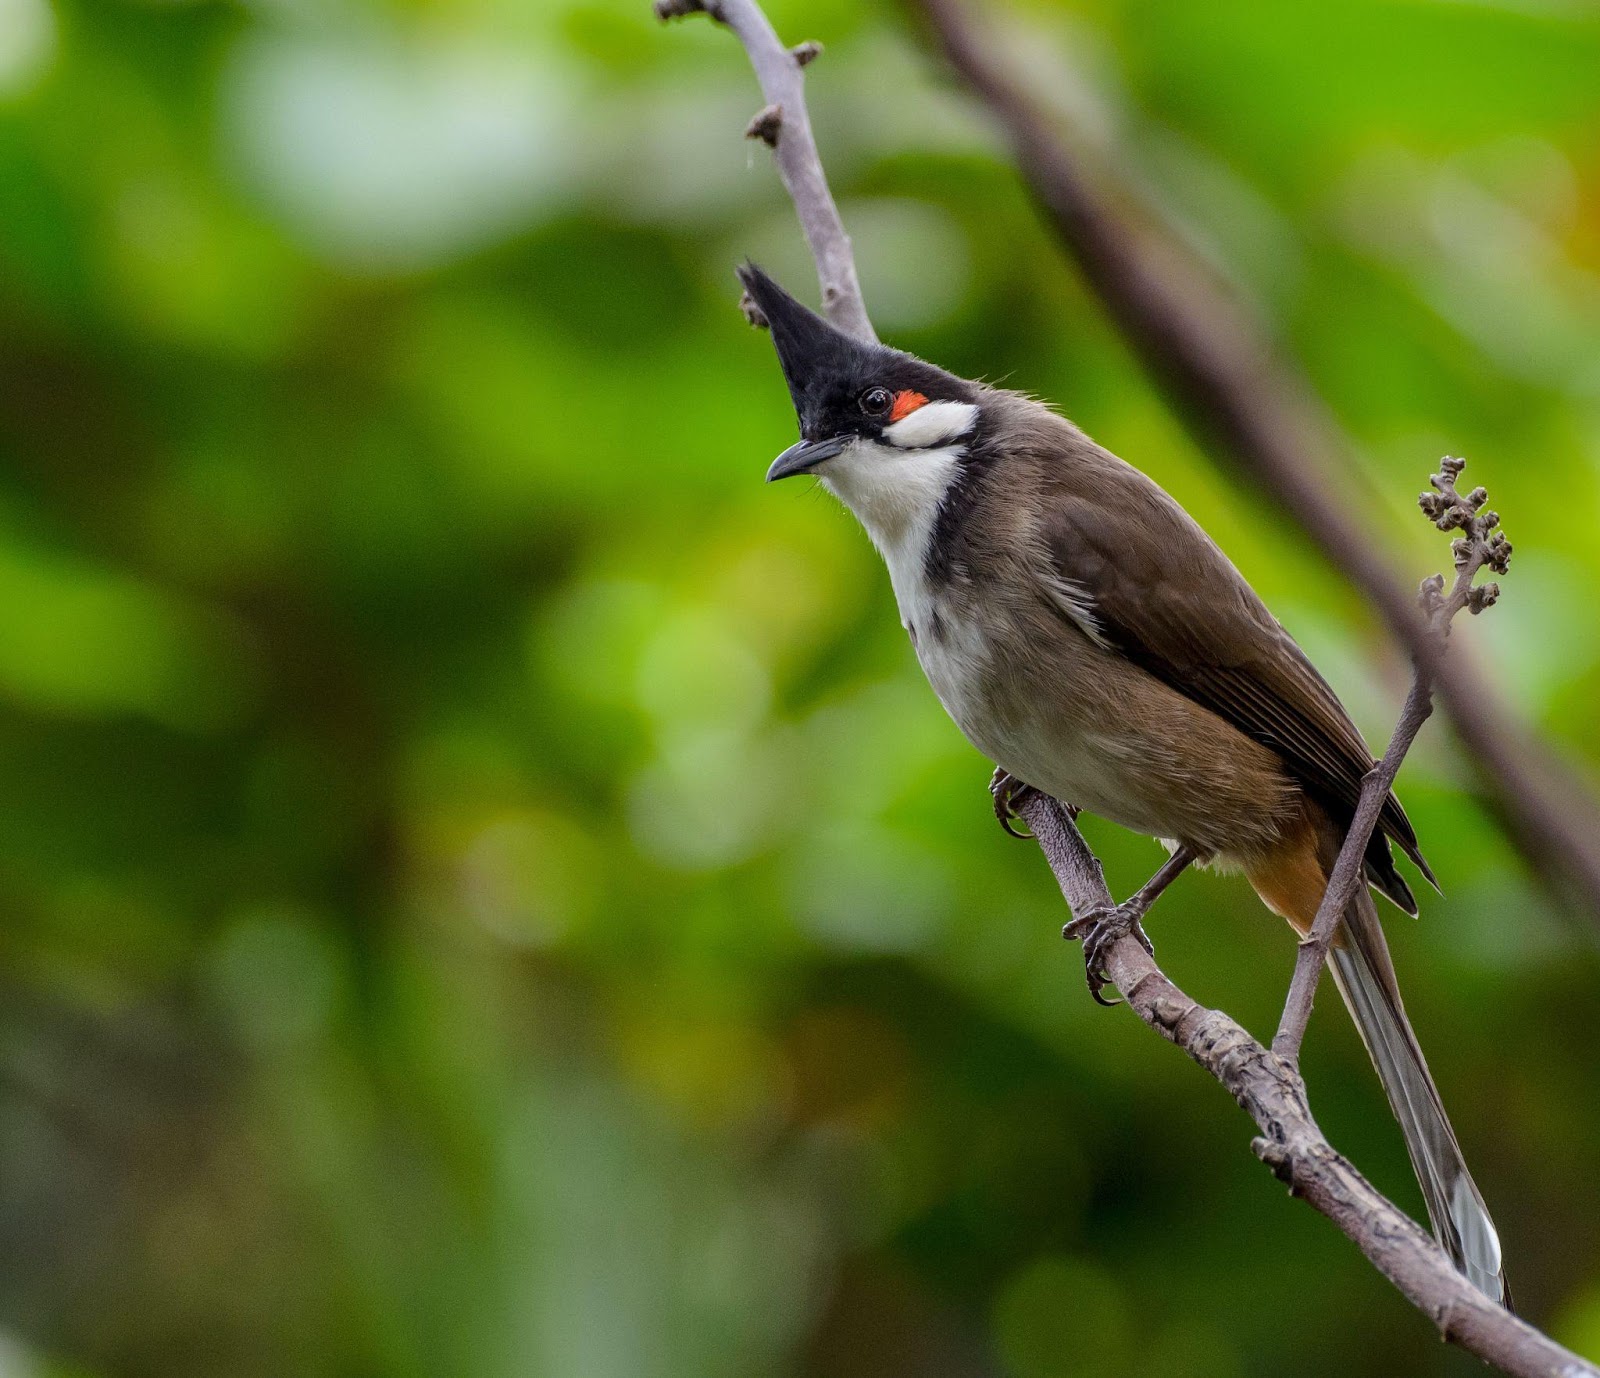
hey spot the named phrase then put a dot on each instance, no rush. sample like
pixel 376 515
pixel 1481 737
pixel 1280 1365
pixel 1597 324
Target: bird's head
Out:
pixel 862 407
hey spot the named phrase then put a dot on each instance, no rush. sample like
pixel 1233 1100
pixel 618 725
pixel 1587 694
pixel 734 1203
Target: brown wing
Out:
pixel 1166 596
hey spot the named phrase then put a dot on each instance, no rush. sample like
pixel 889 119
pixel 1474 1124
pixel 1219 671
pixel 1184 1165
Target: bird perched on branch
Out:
pixel 1089 638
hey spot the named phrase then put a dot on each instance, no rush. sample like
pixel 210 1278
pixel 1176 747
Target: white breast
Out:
pixel 897 494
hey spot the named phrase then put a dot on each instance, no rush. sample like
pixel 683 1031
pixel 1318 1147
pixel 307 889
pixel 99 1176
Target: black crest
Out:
pixel 828 371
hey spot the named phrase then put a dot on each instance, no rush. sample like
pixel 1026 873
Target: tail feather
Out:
pixel 1365 976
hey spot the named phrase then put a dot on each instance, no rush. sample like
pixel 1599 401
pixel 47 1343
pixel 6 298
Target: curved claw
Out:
pixel 1007 792
pixel 1100 930
pixel 1008 822
pixel 1096 985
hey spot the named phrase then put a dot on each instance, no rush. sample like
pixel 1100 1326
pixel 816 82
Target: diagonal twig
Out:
pixel 784 125
pixel 1270 1090
pixel 1481 545
pixel 1217 369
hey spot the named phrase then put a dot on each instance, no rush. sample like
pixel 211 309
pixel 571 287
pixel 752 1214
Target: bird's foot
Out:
pixel 1101 929
pixel 1009 793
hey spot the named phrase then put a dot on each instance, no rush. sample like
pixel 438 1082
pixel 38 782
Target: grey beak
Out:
pixel 805 455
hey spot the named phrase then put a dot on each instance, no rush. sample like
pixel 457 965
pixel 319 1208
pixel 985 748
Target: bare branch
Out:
pixel 1270 1090
pixel 1221 376
pixel 1481 545
pixel 785 126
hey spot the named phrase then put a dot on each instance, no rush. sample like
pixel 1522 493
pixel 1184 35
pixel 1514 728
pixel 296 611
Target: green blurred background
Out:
pixel 484 889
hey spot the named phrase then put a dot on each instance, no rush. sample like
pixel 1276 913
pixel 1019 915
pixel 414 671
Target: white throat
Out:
pixel 896 494
pixel 897 485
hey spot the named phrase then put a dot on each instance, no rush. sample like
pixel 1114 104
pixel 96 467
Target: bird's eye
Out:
pixel 876 401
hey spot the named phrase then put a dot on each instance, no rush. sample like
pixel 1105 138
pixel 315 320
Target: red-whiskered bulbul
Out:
pixel 1089 638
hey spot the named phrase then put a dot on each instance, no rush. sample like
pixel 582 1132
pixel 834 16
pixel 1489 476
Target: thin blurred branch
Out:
pixel 784 125
pixel 1481 544
pixel 1221 375
pixel 1267 1085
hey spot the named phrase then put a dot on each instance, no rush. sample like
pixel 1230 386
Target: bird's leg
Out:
pixel 1103 927
pixel 1008 792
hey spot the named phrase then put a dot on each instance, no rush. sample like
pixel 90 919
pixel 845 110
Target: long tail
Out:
pixel 1291 882
pixel 1365 977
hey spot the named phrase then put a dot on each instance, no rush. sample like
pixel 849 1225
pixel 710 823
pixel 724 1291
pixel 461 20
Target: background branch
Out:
pixel 1216 368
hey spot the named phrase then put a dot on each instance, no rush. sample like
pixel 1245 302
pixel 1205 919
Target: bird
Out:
pixel 1087 636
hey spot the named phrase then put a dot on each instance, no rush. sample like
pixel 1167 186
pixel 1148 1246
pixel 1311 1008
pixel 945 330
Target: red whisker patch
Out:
pixel 905 403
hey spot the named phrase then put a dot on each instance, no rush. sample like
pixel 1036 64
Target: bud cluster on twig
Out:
pixel 1481 544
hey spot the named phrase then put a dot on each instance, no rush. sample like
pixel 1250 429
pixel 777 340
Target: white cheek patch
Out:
pixel 932 425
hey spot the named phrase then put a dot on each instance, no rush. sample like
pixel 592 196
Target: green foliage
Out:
pixel 486 889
